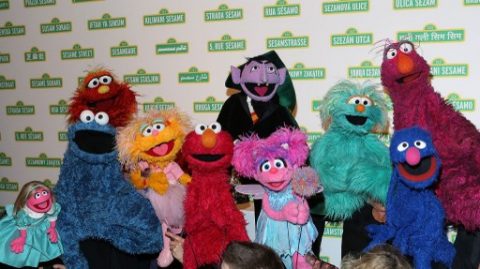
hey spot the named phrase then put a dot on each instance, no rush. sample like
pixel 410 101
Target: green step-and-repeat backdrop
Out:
pixel 179 53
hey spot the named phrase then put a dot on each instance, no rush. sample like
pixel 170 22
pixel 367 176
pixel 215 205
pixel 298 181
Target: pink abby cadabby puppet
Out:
pixel 28 234
pixel 284 223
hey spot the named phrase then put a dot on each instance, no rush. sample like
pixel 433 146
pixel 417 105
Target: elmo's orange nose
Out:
pixel 209 138
pixel 404 64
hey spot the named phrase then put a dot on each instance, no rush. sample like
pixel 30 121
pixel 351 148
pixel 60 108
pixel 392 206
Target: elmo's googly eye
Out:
pixel 87 116
pixel 93 83
pixel 216 127
pixel 102 118
pixel 105 80
pixel 200 128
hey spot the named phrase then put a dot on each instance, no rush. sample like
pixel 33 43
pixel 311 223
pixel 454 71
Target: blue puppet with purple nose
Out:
pixel 415 217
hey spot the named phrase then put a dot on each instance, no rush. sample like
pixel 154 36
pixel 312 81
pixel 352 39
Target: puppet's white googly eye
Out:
pixel 200 128
pixel 105 79
pixel 355 100
pixel 37 195
pixel 44 193
pixel 158 126
pixel 279 163
pixel 87 116
pixel 406 48
pixel 402 146
pixel 391 53
pixel 420 144
pixel 93 83
pixel 254 68
pixel 102 118
pixel 147 131
pixel 366 102
pixel 271 69
pixel 265 167
pixel 216 127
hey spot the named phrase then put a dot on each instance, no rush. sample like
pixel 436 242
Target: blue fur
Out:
pixel 415 217
pixel 97 202
pixel 352 163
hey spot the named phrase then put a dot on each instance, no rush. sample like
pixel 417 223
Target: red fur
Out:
pixel 119 103
pixel 456 139
pixel 212 219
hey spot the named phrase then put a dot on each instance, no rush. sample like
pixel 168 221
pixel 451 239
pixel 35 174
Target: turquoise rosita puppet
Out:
pixel 352 163
pixel 97 202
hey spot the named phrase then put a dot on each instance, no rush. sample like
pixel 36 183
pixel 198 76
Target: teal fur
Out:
pixel 353 164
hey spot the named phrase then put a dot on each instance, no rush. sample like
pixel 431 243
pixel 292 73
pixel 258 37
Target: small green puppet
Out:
pixel 353 164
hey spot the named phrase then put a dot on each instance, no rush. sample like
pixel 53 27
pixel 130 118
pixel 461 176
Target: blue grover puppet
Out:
pixel 415 217
pixel 97 202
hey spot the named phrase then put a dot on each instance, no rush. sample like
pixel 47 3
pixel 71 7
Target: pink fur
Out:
pixel 456 139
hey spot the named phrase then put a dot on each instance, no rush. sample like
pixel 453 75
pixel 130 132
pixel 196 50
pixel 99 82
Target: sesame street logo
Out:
pixel 45 82
pixel 441 69
pixel 77 52
pixel 6 84
pixel 351 38
pixel 107 22
pixel 343 6
pixel 20 109
pixel 62 136
pixel 83 1
pixel 413 4
pixel 11 30
pixel 4 58
pixel 281 9
pixel 164 17
pixel 471 2
pixel 299 72
pixel 210 105
pixel 6 185
pixel 55 26
pixel 38 3
pixel 287 40
pixel 60 108
pixel 4 4
pixel 462 105
pixel 365 70
pixel 193 76
pixel 227 44
pixel 333 229
pixel 124 50
pixel 171 47
pixel 431 34
pixel 43 161
pixel 223 14
pixel 28 135
pixel 5 160
pixel 157 104
pixel 142 78
pixel 35 55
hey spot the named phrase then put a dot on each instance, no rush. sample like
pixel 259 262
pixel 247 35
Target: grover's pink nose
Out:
pixel 413 156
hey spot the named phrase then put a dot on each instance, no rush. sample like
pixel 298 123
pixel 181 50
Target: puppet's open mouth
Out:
pixel 208 157
pixel 161 149
pixel 424 170
pixel 260 89
pixel 103 101
pixel 94 141
pixel 409 78
pixel 356 120
pixel 42 205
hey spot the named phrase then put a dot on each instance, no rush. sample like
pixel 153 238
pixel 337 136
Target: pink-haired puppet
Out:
pixel 284 223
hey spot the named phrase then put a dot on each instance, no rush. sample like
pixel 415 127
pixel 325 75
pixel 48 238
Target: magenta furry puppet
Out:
pixel 406 75
pixel 284 223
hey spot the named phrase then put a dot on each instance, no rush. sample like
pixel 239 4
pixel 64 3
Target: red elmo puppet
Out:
pixel 406 75
pixel 100 91
pixel 212 219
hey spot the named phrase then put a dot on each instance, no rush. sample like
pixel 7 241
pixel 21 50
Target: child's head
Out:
pixel 247 255
pixel 36 196
pixel 380 257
